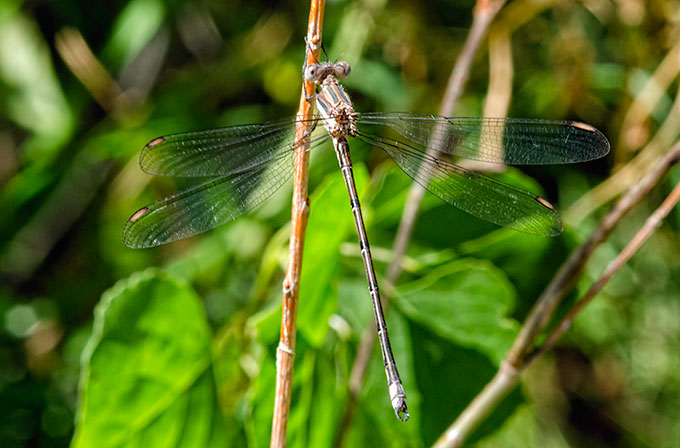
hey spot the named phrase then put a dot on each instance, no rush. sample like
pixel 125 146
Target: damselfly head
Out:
pixel 341 69
pixel 316 73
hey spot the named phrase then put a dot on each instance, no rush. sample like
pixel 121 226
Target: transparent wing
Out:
pixel 473 193
pixel 220 152
pixel 499 140
pixel 206 205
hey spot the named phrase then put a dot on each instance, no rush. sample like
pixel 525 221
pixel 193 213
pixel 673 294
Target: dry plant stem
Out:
pixel 77 55
pixel 500 73
pixel 502 383
pixel 645 102
pixel 285 354
pixel 517 360
pixel 652 223
pixel 484 13
pixel 568 273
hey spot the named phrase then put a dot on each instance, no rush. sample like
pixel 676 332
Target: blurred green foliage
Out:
pixel 96 349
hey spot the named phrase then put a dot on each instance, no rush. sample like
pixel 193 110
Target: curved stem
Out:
pixel 651 224
pixel 567 275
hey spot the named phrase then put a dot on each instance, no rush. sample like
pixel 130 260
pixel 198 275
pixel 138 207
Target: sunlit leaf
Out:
pixel 382 82
pixel 133 29
pixel 31 94
pixel 147 377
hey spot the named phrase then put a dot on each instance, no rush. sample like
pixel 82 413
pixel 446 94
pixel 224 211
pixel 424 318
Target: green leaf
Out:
pixel 330 220
pixel 327 389
pixel 354 304
pixel 466 302
pixel 147 377
pixel 31 94
pixel 260 408
pixel 448 378
pixel 134 28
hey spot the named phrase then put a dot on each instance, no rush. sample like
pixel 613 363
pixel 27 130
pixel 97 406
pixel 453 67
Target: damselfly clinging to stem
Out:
pixel 238 167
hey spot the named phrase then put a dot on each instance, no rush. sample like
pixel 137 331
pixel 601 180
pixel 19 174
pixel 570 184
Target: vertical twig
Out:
pixel 520 356
pixel 285 353
pixel 484 13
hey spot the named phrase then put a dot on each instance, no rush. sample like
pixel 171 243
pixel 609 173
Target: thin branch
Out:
pixel 79 58
pixel 483 404
pixel 518 359
pixel 652 223
pixel 568 274
pixel 501 73
pixel 285 353
pixel 484 13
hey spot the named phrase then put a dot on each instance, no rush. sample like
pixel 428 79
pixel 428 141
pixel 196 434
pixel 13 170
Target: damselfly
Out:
pixel 238 167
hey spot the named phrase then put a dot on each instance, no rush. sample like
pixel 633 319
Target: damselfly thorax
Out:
pixel 332 101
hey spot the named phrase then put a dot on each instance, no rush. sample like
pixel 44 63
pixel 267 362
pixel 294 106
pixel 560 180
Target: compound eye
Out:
pixel 341 69
pixel 312 73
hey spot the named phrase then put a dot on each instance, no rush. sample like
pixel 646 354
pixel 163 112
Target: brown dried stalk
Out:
pixel 567 275
pixel 652 223
pixel 285 353
pixel 79 58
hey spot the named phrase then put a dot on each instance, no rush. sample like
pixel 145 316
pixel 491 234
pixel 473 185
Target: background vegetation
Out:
pixel 182 338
